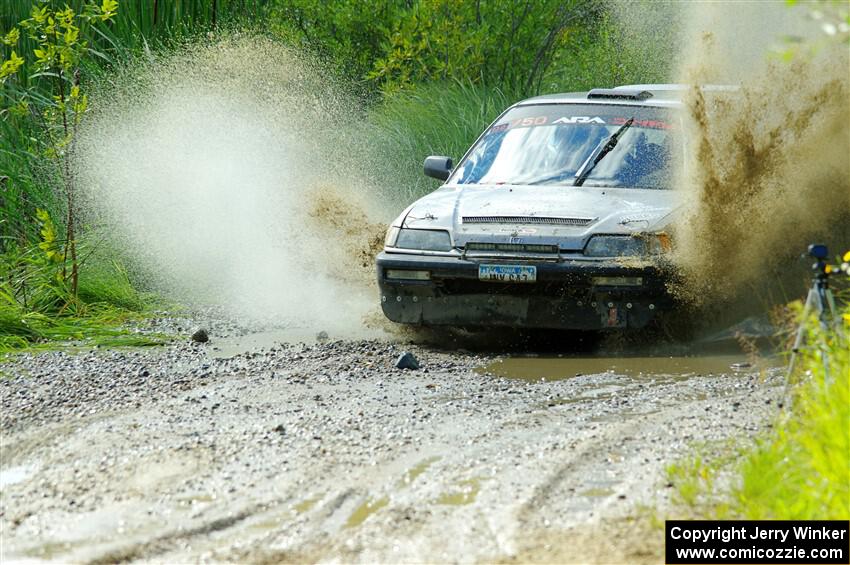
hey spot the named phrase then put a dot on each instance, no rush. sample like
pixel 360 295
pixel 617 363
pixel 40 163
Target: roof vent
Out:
pixel 614 94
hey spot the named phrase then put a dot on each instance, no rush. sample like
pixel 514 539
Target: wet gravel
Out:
pixel 45 387
pixel 178 453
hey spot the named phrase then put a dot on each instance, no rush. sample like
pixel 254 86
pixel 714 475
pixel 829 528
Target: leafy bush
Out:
pixel 395 45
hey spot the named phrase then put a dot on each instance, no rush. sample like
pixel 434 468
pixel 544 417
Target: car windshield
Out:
pixel 548 144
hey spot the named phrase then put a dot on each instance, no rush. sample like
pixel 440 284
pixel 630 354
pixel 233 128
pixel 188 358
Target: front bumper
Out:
pixel 564 296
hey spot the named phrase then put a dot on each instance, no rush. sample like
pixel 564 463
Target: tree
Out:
pixel 50 91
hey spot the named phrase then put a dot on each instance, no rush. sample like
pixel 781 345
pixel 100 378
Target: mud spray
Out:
pixel 770 169
pixel 229 168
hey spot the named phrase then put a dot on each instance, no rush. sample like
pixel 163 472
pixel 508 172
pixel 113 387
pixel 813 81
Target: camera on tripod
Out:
pixel 820 299
pixel 823 269
pixel 818 251
pixel 821 253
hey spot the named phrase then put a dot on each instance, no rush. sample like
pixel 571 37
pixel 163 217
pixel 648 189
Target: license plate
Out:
pixel 507 273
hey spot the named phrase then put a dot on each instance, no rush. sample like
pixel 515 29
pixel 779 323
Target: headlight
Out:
pixel 637 245
pixel 391 237
pixel 424 240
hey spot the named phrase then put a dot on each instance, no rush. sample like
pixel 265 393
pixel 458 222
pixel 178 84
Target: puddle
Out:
pixel 597 492
pixel 267 525
pixel 306 505
pixel 559 368
pixel 411 474
pixel 362 512
pixel 14 475
pixel 465 494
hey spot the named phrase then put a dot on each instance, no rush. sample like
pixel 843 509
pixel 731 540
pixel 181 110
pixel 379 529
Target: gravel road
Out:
pixel 326 452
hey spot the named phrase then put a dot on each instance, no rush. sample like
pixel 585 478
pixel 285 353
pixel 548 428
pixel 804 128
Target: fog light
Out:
pixel 404 275
pixel 618 281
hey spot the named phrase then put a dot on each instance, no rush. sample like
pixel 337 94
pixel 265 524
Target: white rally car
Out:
pixel 557 217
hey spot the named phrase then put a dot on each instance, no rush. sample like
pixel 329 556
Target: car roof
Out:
pixel 659 95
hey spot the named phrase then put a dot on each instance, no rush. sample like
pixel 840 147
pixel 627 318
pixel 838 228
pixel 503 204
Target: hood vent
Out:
pixel 581 222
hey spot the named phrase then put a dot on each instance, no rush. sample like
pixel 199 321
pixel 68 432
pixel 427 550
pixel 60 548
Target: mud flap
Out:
pixel 616 317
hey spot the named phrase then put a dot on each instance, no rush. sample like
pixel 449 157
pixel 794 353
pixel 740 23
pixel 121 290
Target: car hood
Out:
pixel 552 215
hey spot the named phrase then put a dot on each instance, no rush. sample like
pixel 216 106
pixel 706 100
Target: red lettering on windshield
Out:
pixel 654 124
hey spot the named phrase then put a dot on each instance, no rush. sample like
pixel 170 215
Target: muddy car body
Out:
pixel 545 222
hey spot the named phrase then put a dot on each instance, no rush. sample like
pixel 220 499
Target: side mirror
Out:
pixel 438 167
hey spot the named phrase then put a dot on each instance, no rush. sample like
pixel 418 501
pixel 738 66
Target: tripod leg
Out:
pixel 826 318
pixel 830 301
pixel 798 340
pixel 821 302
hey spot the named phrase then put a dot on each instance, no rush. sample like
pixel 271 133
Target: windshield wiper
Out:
pixel 560 175
pixel 600 152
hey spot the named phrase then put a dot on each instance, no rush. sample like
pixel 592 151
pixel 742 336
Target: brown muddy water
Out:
pixel 636 366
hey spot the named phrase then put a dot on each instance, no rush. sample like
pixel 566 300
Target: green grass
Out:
pixel 803 470
pixel 26 183
pixel 433 119
pixel 36 310
pixel 102 327
pixel 800 471
pixel 151 19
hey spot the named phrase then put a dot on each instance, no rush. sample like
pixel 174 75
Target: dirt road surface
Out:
pixel 326 452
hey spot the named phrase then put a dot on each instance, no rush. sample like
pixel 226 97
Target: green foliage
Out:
pixel 801 471
pixel 36 305
pixel 394 45
pixel 50 91
pixel 440 118
pixel 103 327
pixel 29 177
pixel 134 24
pixel 614 51
pixel 106 282
pixel 27 181
pixel 347 34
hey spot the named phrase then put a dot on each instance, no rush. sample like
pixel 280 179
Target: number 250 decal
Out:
pixel 525 122
pixel 520 122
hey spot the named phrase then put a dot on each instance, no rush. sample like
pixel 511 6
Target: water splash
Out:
pixel 224 167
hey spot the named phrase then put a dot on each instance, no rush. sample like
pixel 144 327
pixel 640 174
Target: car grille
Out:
pixel 512 247
pixel 547 220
